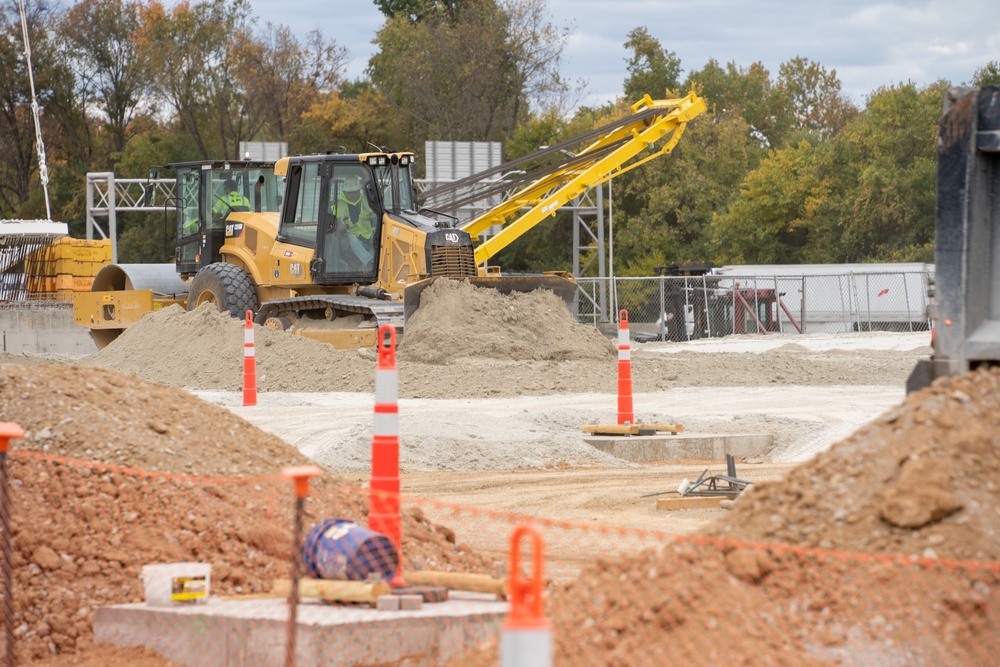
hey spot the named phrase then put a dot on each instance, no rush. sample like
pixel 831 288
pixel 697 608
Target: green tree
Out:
pixel 887 211
pixel 772 220
pixel 652 70
pixel 749 93
pixel 664 209
pixel 414 10
pixel 987 75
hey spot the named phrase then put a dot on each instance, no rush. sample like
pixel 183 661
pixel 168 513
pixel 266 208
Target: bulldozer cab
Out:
pixel 336 205
pixel 207 192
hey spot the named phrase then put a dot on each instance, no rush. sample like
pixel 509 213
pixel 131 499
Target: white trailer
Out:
pixel 840 298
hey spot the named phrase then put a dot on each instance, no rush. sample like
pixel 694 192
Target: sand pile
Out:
pixel 710 604
pixel 457 320
pixel 923 479
pixel 81 537
pixel 203 349
pixel 102 415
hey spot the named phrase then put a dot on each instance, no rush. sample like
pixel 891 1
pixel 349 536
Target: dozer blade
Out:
pixel 562 286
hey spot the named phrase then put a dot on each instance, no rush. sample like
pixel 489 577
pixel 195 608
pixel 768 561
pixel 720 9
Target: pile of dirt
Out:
pixel 81 536
pixel 102 415
pixel 716 604
pixel 463 342
pixel 458 320
pixel 203 349
pixel 923 479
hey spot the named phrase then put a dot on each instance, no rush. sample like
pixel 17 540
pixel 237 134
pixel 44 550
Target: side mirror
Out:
pixel 149 190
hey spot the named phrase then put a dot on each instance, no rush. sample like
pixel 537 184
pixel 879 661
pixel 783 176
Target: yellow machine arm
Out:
pixel 611 154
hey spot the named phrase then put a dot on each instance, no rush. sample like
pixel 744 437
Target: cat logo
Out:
pixel 451 237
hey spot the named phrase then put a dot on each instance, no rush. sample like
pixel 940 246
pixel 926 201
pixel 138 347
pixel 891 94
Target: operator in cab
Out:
pixel 232 201
pixel 358 219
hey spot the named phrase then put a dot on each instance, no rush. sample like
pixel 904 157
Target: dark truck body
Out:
pixel 966 293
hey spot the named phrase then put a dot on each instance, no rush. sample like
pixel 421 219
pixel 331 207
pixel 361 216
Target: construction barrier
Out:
pixel 300 476
pixel 384 516
pixel 249 364
pixel 8 431
pixel 81 532
pixel 625 414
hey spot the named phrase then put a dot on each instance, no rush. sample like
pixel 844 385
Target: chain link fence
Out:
pixel 682 308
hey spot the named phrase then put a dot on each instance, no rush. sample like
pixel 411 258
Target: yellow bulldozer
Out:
pixel 333 246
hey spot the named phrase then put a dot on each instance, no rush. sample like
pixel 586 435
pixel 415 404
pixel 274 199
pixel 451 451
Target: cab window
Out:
pixel 299 223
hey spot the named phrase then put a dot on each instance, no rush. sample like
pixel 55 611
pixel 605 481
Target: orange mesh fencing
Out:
pixel 82 531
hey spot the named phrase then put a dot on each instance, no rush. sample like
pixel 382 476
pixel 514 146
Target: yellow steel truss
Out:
pixel 611 155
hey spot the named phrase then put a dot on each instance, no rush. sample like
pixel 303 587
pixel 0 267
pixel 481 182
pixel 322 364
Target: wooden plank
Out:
pixel 674 428
pixel 457 581
pixel 611 429
pixel 631 429
pixel 330 589
pixel 689 502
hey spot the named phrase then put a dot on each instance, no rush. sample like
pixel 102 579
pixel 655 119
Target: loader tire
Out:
pixel 227 286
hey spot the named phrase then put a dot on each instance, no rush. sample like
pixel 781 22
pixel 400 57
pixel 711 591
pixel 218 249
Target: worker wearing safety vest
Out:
pixel 233 198
pixel 357 217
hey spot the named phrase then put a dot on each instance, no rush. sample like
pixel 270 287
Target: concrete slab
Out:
pixel 653 448
pixel 236 633
pixel 42 327
pixel 690 502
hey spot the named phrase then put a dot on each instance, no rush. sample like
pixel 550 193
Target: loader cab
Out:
pixel 335 206
pixel 207 192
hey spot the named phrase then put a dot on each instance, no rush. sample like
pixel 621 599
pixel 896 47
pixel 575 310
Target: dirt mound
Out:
pixel 81 536
pixel 203 349
pixel 102 415
pixel 714 604
pixel 923 479
pixel 458 320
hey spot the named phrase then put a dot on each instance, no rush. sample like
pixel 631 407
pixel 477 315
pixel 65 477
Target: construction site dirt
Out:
pixel 502 434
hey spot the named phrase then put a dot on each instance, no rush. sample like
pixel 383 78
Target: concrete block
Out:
pixel 237 633
pixel 411 602
pixel 42 328
pixel 387 603
pixel 690 502
pixel 654 448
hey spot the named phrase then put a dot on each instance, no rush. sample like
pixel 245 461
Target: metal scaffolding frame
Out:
pixel 107 196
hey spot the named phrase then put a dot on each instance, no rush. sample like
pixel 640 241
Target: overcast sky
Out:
pixel 869 44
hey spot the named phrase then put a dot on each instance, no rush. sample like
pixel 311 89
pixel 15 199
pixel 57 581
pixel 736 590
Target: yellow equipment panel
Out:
pixel 111 310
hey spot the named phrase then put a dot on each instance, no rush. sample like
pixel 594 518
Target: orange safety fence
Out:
pixel 82 532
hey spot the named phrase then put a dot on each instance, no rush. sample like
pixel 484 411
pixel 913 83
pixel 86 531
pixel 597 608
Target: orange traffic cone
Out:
pixel 625 414
pixel 249 365
pixel 383 511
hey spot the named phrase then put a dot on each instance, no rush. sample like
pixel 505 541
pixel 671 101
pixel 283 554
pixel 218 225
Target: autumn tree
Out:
pixel 281 77
pixel 54 92
pixel 99 40
pixel 468 74
pixel 195 50
pixel 814 95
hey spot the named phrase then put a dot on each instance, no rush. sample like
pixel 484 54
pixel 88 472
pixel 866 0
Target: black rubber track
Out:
pixel 232 287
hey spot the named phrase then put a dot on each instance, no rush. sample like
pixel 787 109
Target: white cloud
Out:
pixel 869 44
